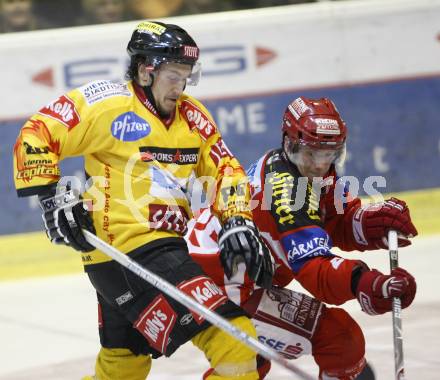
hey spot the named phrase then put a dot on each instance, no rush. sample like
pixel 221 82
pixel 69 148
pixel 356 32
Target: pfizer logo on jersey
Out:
pixel 130 127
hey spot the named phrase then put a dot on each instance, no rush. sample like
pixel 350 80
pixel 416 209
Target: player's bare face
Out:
pixel 314 162
pixel 168 85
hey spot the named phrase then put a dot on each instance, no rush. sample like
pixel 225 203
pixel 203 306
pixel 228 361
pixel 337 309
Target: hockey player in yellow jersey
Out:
pixel 144 142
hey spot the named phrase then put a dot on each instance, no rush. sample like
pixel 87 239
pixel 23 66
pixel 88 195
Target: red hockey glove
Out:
pixel 371 224
pixel 376 290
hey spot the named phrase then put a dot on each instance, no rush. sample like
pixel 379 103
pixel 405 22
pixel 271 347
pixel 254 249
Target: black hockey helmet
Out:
pixel 158 43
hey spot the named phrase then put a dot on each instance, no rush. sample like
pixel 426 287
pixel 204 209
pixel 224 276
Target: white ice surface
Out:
pixel 48 327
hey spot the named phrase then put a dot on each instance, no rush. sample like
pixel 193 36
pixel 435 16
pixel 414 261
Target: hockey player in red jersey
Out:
pixel 302 211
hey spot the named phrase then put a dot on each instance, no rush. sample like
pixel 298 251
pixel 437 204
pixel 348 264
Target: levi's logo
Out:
pixel 156 322
pixel 197 119
pixel 205 292
pixel 63 110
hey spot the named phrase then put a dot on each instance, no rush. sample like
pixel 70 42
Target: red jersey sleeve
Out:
pixel 339 209
pixel 328 278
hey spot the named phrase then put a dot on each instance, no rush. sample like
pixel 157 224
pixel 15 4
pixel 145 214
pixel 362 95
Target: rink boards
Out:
pixel 379 62
pixel 401 148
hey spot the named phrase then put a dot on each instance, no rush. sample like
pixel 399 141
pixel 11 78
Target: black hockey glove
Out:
pixel 240 241
pixel 64 216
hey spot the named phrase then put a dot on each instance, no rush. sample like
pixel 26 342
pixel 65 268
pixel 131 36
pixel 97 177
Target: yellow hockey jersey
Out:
pixel 140 167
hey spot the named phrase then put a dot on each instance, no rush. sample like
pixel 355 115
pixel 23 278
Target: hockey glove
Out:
pixel 376 290
pixel 371 224
pixel 240 241
pixel 64 216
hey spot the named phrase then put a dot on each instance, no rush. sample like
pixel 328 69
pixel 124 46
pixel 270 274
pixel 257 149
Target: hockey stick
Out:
pixel 397 311
pixel 215 319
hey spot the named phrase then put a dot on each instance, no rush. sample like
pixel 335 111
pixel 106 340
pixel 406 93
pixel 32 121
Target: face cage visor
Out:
pixel 196 68
pixel 303 154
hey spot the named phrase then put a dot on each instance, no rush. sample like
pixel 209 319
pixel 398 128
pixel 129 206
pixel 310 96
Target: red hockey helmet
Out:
pixel 315 123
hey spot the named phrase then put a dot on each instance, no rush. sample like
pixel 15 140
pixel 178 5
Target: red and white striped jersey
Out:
pixel 202 243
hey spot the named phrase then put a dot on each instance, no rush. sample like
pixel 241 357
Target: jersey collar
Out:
pixel 148 102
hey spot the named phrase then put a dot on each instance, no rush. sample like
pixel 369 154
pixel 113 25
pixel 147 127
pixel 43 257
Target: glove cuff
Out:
pixel 48 191
pixel 358 230
pixel 356 275
pixel 51 201
pixel 237 221
pixel 366 292
pixel 233 225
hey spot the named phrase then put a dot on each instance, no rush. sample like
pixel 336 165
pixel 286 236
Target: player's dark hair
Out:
pixel 132 69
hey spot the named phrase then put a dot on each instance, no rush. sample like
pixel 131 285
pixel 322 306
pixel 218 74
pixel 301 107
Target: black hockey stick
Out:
pixel 397 312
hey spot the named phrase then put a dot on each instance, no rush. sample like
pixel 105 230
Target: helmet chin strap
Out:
pixel 288 149
pixel 149 94
pixel 148 91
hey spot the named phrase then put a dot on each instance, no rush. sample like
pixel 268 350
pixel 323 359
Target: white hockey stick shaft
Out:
pixel 215 319
pixel 397 311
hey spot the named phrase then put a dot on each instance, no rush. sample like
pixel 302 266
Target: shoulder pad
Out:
pixel 197 118
pixel 63 110
pixel 254 175
pixel 273 156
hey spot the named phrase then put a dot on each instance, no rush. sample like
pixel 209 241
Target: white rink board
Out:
pixel 48 326
pixel 313 45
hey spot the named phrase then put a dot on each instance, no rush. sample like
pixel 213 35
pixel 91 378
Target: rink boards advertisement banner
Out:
pixel 379 62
